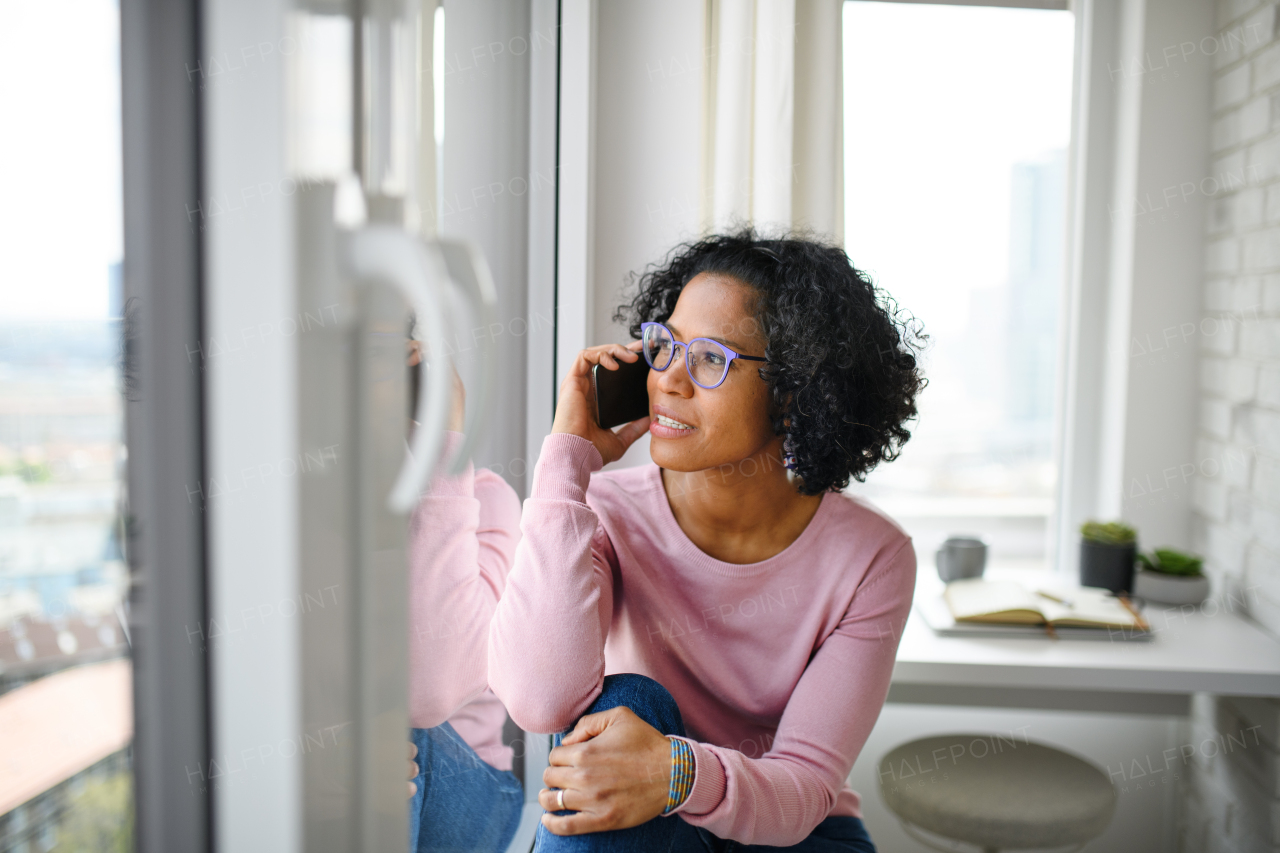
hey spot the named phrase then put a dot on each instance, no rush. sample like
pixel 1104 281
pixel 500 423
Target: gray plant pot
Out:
pixel 1107 566
pixel 1160 588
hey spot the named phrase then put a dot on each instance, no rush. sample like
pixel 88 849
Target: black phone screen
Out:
pixel 622 395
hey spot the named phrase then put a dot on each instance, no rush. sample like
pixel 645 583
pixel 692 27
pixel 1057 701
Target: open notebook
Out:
pixel 1009 608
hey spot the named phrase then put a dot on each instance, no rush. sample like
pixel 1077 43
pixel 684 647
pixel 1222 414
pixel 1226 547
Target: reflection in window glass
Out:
pixel 66 719
pixel 957 120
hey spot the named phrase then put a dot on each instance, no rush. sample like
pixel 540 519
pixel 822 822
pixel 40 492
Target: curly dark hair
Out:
pixel 842 357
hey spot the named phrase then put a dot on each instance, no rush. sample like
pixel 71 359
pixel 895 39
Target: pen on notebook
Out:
pixel 1066 602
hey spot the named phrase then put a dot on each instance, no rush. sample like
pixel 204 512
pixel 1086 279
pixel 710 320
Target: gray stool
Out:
pixel 995 792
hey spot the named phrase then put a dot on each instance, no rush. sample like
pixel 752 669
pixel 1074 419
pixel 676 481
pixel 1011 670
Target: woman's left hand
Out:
pixel 458 414
pixel 615 769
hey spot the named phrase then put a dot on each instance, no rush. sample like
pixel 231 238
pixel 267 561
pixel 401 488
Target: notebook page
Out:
pixel 979 597
pixel 1088 605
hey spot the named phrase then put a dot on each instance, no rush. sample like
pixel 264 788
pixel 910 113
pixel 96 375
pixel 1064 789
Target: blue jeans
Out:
pixel 462 803
pixel 672 834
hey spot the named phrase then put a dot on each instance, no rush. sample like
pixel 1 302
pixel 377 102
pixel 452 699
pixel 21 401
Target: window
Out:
pixel 957 121
pixel 65 707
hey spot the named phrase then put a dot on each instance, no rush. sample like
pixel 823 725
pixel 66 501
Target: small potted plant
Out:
pixel 1107 554
pixel 1167 576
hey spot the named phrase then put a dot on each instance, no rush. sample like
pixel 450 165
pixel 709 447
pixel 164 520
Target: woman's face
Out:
pixel 729 422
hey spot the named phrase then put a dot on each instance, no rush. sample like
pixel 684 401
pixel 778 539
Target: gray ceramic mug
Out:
pixel 961 557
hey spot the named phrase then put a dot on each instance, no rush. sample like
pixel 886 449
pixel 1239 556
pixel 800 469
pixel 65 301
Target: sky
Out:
pixel 940 101
pixel 60 178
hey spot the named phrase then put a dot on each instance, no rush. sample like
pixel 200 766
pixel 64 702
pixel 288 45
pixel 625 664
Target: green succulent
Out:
pixel 1170 562
pixel 1109 533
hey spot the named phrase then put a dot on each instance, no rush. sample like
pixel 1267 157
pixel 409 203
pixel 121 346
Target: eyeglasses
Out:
pixel 706 360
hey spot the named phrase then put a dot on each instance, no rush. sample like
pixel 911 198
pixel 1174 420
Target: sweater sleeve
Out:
pixel 546 640
pixel 498 530
pixel 462 536
pixel 778 798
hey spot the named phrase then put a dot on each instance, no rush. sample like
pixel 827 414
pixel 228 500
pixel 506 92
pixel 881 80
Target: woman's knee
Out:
pixel 648 699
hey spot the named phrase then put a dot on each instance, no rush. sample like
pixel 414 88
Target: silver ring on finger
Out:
pixel 560 800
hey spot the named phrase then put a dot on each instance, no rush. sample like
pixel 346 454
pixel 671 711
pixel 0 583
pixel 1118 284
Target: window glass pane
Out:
pixel 957 121
pixel 66 717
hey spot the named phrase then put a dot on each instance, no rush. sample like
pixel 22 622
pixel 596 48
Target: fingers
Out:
pixel 577 823
pixel 414 350
pixel 562 755
pixel 549 799
pixel 607 354
pixel 413 768
pixel 632 431
pixel 588 726
pixel 593 724
pixel 458 413
pixel 459 389
pixel 559 777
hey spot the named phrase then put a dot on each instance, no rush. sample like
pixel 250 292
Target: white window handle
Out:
pixel 419 271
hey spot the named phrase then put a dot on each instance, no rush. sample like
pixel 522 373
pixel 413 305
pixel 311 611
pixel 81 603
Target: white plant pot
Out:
pixel 1170 589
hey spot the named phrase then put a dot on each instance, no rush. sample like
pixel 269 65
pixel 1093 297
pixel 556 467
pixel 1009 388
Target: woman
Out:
pixel 713 634
pixel 462 537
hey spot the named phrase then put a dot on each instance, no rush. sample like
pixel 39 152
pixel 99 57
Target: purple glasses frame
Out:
pixel 644 330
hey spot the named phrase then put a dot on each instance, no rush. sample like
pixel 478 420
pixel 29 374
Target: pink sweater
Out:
pixel 462 538
pixel 780 667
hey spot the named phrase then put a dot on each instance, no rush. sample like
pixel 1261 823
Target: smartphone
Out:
pixel 622 395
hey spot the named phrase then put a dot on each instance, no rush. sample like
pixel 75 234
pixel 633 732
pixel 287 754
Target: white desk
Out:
pixel 1210 648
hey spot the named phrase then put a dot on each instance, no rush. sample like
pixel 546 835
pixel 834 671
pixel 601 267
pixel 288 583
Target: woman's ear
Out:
pixel 783 410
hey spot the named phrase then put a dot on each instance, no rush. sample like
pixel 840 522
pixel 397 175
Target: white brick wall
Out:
pixel 1237 508
pixel 1240 340
pixel 1234 773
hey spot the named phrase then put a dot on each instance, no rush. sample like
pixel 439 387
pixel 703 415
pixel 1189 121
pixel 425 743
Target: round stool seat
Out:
pixel 997 793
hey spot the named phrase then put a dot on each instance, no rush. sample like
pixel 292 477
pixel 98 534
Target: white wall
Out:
pixel 1237 455
pixel 630 158
pixel 1237 487
pixel 648 142
pixel 1163 283
pixel 1141 134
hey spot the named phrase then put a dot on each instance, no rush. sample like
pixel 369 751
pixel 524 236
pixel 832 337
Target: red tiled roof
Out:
pixel 57 726
pixel 32 645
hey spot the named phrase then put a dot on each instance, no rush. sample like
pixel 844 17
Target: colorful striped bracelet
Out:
pixel 681 774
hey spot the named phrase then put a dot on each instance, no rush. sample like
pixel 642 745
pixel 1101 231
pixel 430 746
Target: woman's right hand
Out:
pixel 575 411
